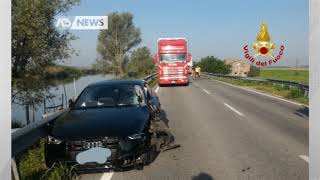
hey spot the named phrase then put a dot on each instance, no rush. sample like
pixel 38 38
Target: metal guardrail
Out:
pixel 150 77
pixel 24 138
pixel 303 87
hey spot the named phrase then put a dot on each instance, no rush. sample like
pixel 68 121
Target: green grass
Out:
pixel 286 92
pixel 60 171
pixel 32 166
pixel 297 75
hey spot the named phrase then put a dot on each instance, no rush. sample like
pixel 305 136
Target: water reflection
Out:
pixel 53 91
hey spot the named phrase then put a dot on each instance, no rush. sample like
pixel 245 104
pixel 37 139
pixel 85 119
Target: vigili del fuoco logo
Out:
pixel 263 49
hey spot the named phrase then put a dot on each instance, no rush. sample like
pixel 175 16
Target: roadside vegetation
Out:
pixel 213 64
pixel 32 166
pixel 36 42
pixel 254 71
pixel 116 49
pixel 37 46
pixel 289 74
pixel 287 92
pixel 64 72
pixel 141 63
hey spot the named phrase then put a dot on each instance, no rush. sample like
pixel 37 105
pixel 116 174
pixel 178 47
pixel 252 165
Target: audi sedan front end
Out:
pixel 106 127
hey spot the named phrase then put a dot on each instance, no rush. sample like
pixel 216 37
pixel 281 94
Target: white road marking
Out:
pixel 157 89
pixel 264 94
pixel 106 176
pixel 304 157
pixel 98 176
pixel 233 109
pixel 206 91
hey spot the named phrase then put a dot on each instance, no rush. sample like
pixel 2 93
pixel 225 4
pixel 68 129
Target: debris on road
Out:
pixel 161 137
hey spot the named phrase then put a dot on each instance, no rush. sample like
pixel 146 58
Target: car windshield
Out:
pixel 173 57
pixel 109 96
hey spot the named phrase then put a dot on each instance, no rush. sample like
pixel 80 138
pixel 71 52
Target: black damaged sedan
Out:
pixel 108 126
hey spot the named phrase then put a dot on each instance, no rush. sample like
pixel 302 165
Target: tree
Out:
pixel 115 42
pixel 36 42
pixel 141 62
pixel 254 71
pixel 213 65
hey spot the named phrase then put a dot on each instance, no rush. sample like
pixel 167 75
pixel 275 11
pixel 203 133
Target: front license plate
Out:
pixel 173 81
pixel 97 154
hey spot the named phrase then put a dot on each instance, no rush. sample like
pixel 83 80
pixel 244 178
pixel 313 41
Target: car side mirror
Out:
pixel 70 103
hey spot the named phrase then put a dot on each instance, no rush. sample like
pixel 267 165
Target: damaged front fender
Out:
pixel 161 136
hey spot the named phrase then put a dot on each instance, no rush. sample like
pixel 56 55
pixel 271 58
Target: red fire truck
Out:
pixel 173 61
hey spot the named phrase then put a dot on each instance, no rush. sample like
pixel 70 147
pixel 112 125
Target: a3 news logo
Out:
pixel 82 22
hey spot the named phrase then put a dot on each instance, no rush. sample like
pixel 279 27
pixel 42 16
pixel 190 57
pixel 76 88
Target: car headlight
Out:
pixel 53 140
pixel 136 136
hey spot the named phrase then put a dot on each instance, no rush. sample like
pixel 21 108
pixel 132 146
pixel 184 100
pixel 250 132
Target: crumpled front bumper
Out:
pixel 117 160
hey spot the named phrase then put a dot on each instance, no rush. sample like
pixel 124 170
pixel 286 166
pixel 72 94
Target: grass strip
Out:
pixel 284 91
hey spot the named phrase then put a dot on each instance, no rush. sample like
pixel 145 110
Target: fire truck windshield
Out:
pixel 173 57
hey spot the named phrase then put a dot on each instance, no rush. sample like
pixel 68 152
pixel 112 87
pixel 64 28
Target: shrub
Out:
pixel 254 71
pixel 141 63
pixel 212 64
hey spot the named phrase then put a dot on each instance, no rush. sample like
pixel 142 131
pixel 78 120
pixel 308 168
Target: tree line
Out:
pixel 215 65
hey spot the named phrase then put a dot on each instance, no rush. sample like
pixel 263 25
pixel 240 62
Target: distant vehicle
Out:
pixel 108 126
pixel 173 61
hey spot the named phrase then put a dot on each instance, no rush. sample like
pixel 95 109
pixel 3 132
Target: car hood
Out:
pixel 96 123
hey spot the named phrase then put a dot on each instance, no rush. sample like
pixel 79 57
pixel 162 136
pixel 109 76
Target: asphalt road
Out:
pixel 227 133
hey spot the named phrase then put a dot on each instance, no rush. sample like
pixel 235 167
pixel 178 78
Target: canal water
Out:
pixel 18 112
